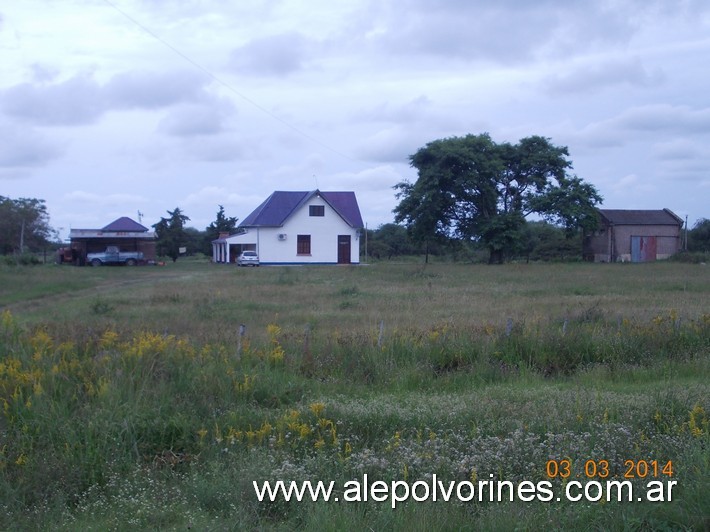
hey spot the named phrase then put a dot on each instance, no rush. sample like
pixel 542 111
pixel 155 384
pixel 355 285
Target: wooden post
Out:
pixel 382 330
pixel 242 332
pixel 509 327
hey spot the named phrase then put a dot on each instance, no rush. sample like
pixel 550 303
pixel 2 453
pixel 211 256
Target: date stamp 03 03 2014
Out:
pixel 601 469
pixel 596 471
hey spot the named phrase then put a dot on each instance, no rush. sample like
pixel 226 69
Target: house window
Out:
pixel 316 210
pixel 303 245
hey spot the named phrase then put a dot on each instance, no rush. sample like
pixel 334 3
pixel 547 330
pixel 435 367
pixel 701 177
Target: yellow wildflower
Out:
pixel 317 408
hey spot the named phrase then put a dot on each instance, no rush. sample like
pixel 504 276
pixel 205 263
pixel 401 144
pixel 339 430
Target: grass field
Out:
pixel 130 399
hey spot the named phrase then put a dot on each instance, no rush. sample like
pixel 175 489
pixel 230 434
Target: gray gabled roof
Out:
pixel 125 224
pixel 640 217
pixel 280 205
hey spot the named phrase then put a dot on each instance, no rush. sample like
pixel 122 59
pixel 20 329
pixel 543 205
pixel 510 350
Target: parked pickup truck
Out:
pixel 113 255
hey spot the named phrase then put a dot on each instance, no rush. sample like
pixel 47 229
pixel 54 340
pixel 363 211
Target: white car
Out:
pixel 248 258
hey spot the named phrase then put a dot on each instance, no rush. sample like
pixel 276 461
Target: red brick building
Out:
pixel 634 236
pixel 124 232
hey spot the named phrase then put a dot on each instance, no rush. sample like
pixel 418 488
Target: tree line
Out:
pixel 472 196
pixel 539 241
pixel 172 235
pixel 25 229
pixel 24 226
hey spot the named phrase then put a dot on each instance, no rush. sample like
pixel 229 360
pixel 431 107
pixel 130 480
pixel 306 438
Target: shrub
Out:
pixel 693 257
pixel 25 259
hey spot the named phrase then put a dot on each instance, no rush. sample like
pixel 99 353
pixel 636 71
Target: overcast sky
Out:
pixel 108 108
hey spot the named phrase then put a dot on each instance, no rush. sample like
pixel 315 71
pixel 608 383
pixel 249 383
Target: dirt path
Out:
pixel 103 287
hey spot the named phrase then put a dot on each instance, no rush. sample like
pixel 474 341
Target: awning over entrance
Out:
pixel 227 249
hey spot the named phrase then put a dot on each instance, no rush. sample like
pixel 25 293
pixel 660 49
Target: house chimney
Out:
pixel 223 234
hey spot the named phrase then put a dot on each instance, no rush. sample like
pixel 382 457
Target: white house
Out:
pixel 298 228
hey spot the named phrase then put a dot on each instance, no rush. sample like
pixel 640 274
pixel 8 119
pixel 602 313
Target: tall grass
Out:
pixel 136 409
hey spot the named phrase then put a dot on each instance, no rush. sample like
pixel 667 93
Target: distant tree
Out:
pixel 194 240
pixel 473 189
pixel 394 241
pixel 545 241
pixel 420 209
pixel 170 234
pixel 223 224
pixel 24 225
pixel 699 236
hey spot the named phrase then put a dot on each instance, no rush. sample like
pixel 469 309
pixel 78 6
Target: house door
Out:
pixel 343 249
pixel 643 248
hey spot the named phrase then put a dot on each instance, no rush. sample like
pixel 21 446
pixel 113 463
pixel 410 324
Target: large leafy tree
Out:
pixel 474 189
pixel 170 234
pixel 24 225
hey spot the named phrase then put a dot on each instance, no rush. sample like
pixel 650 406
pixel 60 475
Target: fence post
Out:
pixel 382 330
pixel 242 332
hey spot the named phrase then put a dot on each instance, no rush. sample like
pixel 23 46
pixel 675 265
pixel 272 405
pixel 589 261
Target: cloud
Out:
pixel 374 191
pixel 197 119
pixel 215 196
pixel 22 147
pixel 154 90
pixel 76 101
pixel 277 55
pixel 601 75
pixel 664 117
pixel 104 200
pixel 625 182
pixel 677 149
pixel 43 73
pixel 81 100
pixel 645 120
pixel 498 31
pixel 377 179
pixel 207 200
pixel 394 144
pixel 414 110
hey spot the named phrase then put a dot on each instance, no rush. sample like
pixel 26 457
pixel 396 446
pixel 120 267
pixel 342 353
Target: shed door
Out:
pixel 343 249
pixel 643 248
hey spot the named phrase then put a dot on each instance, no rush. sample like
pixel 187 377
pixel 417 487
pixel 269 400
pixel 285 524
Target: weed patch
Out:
pixel 160 413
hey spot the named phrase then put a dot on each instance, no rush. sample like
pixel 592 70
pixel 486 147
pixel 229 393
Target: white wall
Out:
pixel 324 231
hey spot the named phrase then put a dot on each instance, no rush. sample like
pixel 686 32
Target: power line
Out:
pixel 225 84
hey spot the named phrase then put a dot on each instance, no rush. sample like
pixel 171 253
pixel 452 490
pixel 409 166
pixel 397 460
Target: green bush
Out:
pixel 25 259
pixel 692 257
